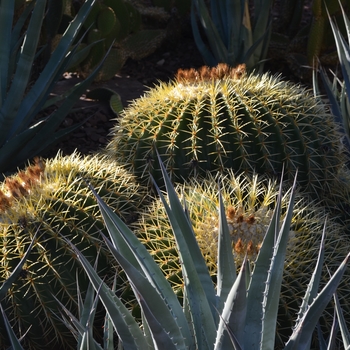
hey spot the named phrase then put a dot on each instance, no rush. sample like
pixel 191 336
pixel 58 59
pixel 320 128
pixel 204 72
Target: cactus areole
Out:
pixel 216 118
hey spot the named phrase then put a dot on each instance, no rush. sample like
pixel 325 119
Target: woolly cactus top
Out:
pixel 67 177
pixel 218 118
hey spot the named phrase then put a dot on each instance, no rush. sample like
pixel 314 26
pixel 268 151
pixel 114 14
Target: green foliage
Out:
pixel 234 36
pixel 22 134
pixel 115 25
pixel 300 45
pixel 219 118
pixel 50 199
pixel 338 90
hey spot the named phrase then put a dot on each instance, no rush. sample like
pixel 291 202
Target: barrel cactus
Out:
pixel 249 203
pixel 52 199
pixel 217 118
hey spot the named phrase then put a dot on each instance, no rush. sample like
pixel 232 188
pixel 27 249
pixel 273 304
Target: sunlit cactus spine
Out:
pixel 51 198
pixel 218 118
pixel 249 203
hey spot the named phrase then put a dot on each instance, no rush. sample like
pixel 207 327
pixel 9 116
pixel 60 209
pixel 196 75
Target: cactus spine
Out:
pixel 52 198
pixel 218 118
pixel 249 202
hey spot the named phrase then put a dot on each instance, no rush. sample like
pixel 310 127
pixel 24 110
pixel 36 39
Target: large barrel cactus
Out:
pixel 249 203
pixel 52 199
pixel 218 118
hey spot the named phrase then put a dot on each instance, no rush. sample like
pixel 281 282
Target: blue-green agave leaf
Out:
pixel 9 119
pixel 226 267
pixel 199 287
pixel 124 323
pixel 303 331
pixel 275 276
pixel 15 342
pixel 345 334
pixel 55 66
pixel 161 321
pixel 215 41
pixel 343 50
pixel 313 286
pixel 255 296
pixel 126 243
pixel 185 238
pixel 234 314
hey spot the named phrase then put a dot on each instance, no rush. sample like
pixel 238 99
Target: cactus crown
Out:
pixel 22 184
pixel 221 71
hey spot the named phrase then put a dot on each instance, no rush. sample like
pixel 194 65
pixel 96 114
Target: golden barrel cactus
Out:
pixel 52 199
pixel 219 118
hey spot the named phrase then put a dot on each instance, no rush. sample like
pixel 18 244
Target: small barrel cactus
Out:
pixel 221 117
pixel 52 199
pixel 249 203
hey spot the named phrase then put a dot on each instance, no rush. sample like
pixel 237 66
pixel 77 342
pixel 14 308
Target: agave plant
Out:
pixel 338 91
pixel 22 136
pixel 231 37
pixel 239 314
pixel 249 203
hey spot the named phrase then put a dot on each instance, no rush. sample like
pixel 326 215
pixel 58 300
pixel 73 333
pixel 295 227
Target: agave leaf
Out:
pixel 123 322
pixel 343 50
pixel 255 297
pixel 161 321
pixel 313 286
pixel 162 338
pixel 262 28
pixel 86 339
pixel 125 242
pixel 8 112
pixel 234 313
pixel 87 311
pixel 275 275
pixel 183 232
pixel 53 69
pixel 331 94
pixel 342 323
pixel 108 333
pixel 226 267
pixel 15 342
pixel 199 287
pixel 79 328
pixel 215 41
pixel 207 55
pixel 302 333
